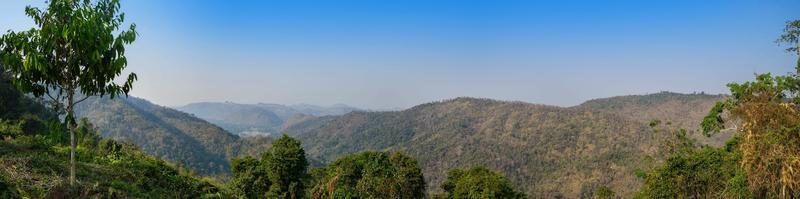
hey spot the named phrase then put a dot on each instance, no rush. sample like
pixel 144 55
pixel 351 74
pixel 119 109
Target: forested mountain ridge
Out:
pixel 546 151
pixel 261 118
pixel 683 110
pixel 170 134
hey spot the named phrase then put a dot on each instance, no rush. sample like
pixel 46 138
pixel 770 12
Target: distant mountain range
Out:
pixel 261 118
pixel 547 151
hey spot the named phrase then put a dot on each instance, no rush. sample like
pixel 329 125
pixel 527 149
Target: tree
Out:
pixel 478 182
pixel 370 175
pixel 287 168
pixel 281 172
pixel 250 179
pixel 692 171
pixel 72 53
pixel 791 37
pixel 765 114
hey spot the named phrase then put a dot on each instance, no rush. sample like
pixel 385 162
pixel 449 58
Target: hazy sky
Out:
pixel 386 54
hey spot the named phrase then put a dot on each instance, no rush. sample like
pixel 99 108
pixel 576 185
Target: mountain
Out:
pixel 168 133
pixel 261 118
pixel 236 118
pixel 336 109
pixel 547 151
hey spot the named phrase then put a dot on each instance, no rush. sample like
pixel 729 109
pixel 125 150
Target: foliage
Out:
pixel 287 168
pixel 765 114
pixel 544 151
pixel 478 182
pixel 170 134
pixel 34 159
pixel 73 49
pixel 15 104
pixel 33 168
pixel 282 172
pixel 370 175
pixel 604 192
pixel 250 179
pixel 690 171
pixel 791 36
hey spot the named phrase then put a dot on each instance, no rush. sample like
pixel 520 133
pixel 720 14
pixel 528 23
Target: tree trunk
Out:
pixel 70 120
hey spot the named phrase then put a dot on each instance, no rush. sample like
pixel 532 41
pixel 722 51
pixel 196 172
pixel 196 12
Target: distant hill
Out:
pixel 547 151
pixel 261 118
pixel 171 134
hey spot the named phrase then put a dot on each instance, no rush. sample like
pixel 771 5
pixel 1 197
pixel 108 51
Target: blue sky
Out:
pixel 387 54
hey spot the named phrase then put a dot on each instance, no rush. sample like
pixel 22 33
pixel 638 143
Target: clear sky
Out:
pixel 399 53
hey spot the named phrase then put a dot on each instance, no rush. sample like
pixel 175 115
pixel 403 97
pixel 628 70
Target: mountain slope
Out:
pixel 683 110
pixel 34 157
pixel 546 151
pixel 168 133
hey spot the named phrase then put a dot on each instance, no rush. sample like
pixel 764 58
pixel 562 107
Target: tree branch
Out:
pixel 81 100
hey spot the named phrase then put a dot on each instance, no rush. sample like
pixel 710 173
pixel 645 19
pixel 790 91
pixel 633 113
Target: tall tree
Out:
pixel 287 168
pixel 767 117
pixel 282 172
pixel 791 37
pixel 75 51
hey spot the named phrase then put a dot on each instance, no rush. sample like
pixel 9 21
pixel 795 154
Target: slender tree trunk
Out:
pixel 70 120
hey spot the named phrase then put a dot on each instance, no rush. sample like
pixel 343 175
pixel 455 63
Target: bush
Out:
pixel 370 175
pixel 478 182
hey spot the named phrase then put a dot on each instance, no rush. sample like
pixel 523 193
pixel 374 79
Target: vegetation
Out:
pixel 74 49
pixel 370 175
pixel 544 151
pixel 591 150
pixel 694 171
pixel 170 134
pixel 250 178
pixel 34 155
pixel 760 161
pixel 282 172
pixel 478 182
pixel 604 192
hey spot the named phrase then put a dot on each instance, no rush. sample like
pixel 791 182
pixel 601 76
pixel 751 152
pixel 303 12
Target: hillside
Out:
pixel 34 157
pixel 546 151
pixel 261 118
pixel 683 110
pixel 170 134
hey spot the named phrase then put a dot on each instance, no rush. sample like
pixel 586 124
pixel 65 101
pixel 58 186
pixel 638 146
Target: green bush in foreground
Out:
pixel 282 172
pixel 478 182
pixel 370 175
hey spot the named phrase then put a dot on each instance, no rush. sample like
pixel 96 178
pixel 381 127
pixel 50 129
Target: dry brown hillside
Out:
pixel 547 151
